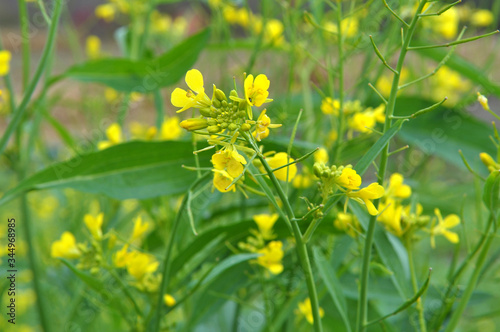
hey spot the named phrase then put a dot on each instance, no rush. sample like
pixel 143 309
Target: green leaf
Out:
pixel 333 285
pixel 130 170
pixel 390 250
pixel 375 150
pixel 228 263
pixel 91 281
pixel 464 67
pixel 143 75
pixel 491 193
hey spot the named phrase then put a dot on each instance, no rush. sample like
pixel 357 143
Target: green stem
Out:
pixel 391 103
pixel 155 322
pixel 341 119
pixel 25 41
pixel 420 307
pixel 300 244
pixel 19 112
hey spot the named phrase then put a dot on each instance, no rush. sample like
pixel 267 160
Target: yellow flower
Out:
pixel 271 257
pixel 139 229
pixel 349 26
pixel 111 95
pixel 396 187
pixel 114 135
pixel 443 226
pixel 5 57
pixel 171 129
pixel 348 223
pixel 321 156
pixel 305 309
pixel 349 179
pixel 93 47
pixel 169 300
pixel 281 159
pixel 94 224
pixel 391 216
pixel 482 18
pixel 228 165
pixel 362 122
pixel 139 264
pixel 274 32
pixel 483 101
pixel 230 14
pixel 304 180
pixel 120 259
pixel 489 162
pixel 366 195
pixel 159 22
pixel 65 247
pixel 445 24
pixel 263 125
pixel 142 132
pixel 187 99
pixel 106 12
pixel 330 106
pixel 265 222
pixel 256 91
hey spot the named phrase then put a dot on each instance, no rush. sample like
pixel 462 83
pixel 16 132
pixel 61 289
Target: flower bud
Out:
pixel 219 94
pixel 194 124
pixel 483 101
pixel 488 161
pixel 232 127
pixel 245 127
pixel 212 122
pixel 317 169
pixel 233 93
pixel 213 129
pixel 224 125
pixel 206 112
pixel 216 103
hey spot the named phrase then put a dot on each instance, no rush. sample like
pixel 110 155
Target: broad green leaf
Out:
pixel 333 285
pixel 464 67
pixel 143 75
pixel 375 150
pixel 491 193
pixel 130 170
pixel 392 253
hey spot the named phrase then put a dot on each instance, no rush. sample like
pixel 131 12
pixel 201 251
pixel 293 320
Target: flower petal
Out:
pixel 194 79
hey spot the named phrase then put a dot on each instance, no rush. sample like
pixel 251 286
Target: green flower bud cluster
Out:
pixel 225 114
pixel 324 172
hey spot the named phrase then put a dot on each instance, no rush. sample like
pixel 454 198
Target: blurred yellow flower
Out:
pixel 362 122
pixel 171 129
pixel 139 229
pixel 348 223
pixel 263 125
pixel 169 300
pixel 106 12
pixel 111 95
pixel 121 257
pixel 94 224
pixel 281 159
pixel 256 90
pixel 65 247
pixel 482 18
pixel 443 226
pixel 93 47
pixel 321 156
pixel 445 24
pixel 349 26
pixel 142 132
pixel 114 135
pixel 5 57
pixel 391 216
pixel 396 187
pixel 160 23
pixel 330 106
pixel 366 195
pixel 271 257
pixel 187 99
pixel 303 180
pixel 305 309
pixel 140 264
pixel 265 222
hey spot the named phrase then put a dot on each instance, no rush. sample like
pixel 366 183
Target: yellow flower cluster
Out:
pixel 305 310
pixel 5 57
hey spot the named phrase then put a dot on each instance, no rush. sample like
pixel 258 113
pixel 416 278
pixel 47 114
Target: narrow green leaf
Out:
pixel 375 150
pixel 130 170
pixel 91 281
pixel 333 285
pixel 228 263
pixel 143 75
pixel 491 193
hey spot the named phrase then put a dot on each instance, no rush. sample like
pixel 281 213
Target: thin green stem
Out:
pixel 25 41
pixel 300 245
pixel 420 307
pixel 391 103
pixel 341 119
pixel 19 112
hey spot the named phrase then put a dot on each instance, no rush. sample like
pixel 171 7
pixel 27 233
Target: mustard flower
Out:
pixel 366 195
pixel 160 23
pixel 139 229
pixel 305 309
pixel 114 135
pixel 94 224
pixel 265 222
pixel 169 300
pixel 5 57
pixel 171 129
pixel 349 179
pixel 362 122
pixel 142 132
pixel 348 223
pixel 304 180
pixel 321 156
pixel 281 159
pixel 330 106
pixel 187 99
pixel 391 216
pixel 93 47
pixel 228 165
pixel 106 12
pixel 271 257
pixel 443 226
pixel 140 264
pixel 65 247
pixel 256 90
pixel 482 18
pixel 396 187
pixel 121 257
pixel 263 125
